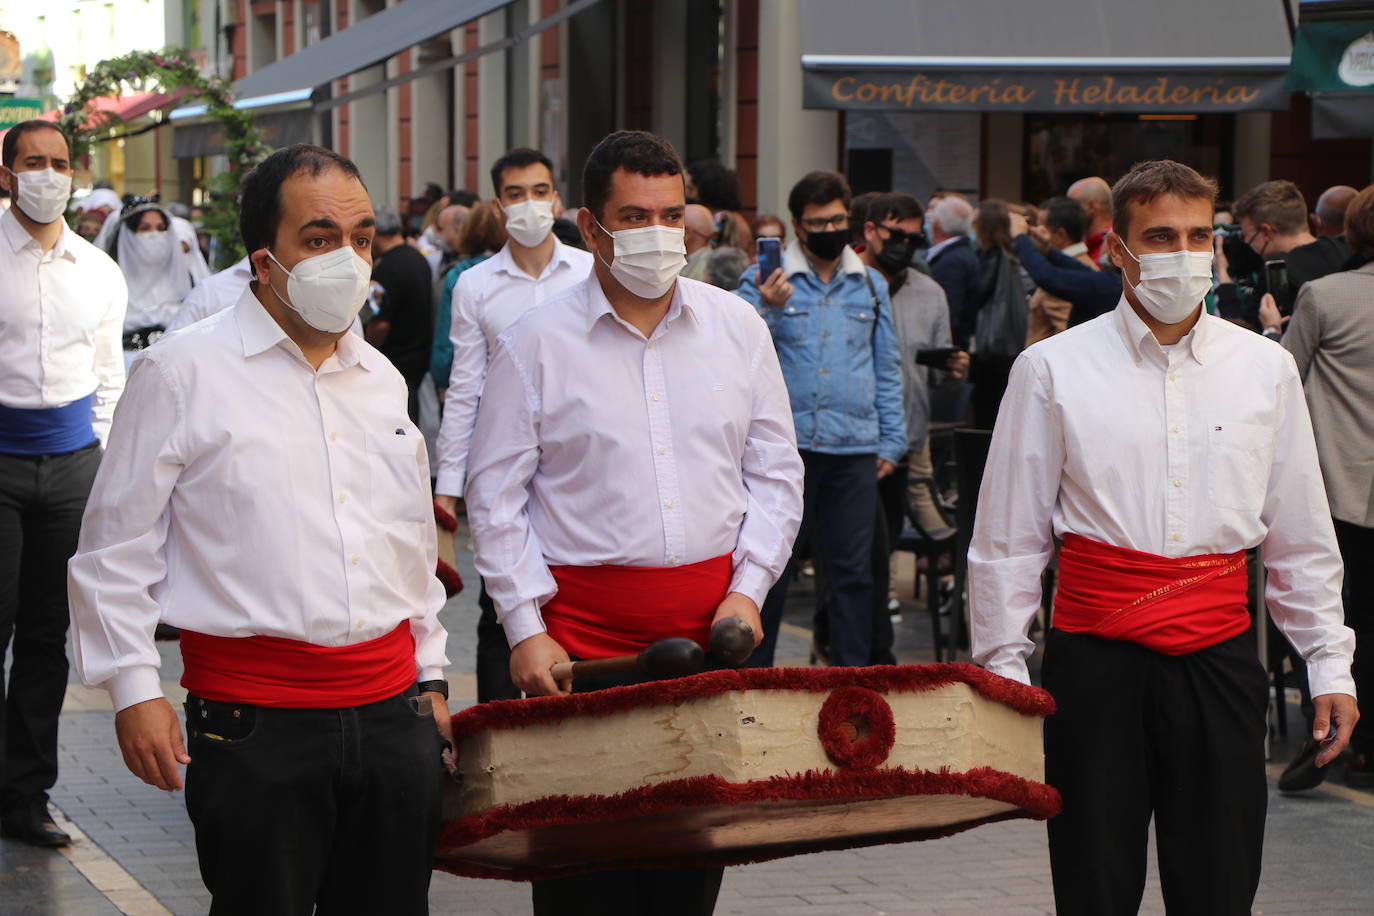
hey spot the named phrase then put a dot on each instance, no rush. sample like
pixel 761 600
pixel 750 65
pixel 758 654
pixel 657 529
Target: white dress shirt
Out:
pixel 595 446
pixel 213 294
pixel 1206 448
pixel 488 298
pixel 245 493
pixel 61 324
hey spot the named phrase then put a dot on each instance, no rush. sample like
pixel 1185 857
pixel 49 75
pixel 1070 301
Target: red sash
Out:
pixel 603 611
pixel 1171 605
pixel 270 671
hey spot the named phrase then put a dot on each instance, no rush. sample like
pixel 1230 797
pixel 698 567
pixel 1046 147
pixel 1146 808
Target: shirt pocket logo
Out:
pixel 1239 458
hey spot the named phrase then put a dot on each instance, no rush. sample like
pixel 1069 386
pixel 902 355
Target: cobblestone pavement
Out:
pixel 136 854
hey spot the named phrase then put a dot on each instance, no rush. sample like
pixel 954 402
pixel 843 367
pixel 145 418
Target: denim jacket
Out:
pixel 840 360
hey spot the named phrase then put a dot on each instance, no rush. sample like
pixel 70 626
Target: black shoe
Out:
pixel 1359 773
pixel 1303 773
pixel 29 822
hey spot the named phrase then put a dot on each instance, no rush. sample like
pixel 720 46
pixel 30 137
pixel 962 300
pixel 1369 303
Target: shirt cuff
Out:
pixel 522 622
pixel 435 673
pixel 449 482
pixel 1016 671
pixel 1330 675
pixel 134 685
pixel 752 581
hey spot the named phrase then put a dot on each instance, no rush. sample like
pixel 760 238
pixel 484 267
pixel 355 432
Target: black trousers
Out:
pixel 42 498
pixel 642 892
pixel 1357 550
pixel 493 654
pixel 838 504
pixel 296 809
pixel 884 636
pixel 1139 733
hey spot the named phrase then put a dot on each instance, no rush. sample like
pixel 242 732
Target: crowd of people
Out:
pixel 649 395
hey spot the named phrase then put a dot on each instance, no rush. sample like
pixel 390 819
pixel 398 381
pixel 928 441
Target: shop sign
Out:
pixel 1357 63
pixel 1049 91
pixel 16 110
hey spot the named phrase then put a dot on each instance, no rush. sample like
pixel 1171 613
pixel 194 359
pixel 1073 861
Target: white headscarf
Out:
pixel 100 197
pixel 156 270
pixel 195 261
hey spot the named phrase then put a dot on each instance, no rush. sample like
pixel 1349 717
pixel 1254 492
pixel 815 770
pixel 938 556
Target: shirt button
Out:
pixel 360 624
pixel 333 436
pixel 1172 377
pixel 1175 537
pixel 343 498
pixel 668 503
pixel 673 558
pixel 662 450
pixel 825 372
pixel 1178 482
pixel 825 333
pixel 656 397
pixel 355 559
pixel 651 344
pixel 1175 428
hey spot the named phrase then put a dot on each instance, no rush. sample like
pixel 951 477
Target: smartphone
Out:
pixel 1276 283
pixel 936 357
pixel 770 256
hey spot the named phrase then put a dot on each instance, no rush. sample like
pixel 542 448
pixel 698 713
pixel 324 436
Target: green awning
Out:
pixel 1335 56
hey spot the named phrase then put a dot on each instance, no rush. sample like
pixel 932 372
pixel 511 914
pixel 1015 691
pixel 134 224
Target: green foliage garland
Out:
pixel 171 70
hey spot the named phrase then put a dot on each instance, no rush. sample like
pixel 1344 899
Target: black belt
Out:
pixel 143 338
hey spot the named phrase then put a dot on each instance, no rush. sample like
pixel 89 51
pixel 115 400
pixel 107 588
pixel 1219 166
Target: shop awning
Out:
pixel 1066 56
pixel 366 44
pixel 1336 56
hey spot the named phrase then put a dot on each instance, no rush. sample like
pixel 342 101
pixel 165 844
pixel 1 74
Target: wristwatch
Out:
pixel 439 687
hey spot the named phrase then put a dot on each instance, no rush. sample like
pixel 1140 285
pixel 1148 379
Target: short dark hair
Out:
pixel 462 197
pixel 636 151
pixel 1156 178
pixel 818 187
pixel 10 150
pixel 1359 224
pixel 1278 203
pixel 260 191
pixel 717 186
pixel 1067 214
pixel 896 206
pixel 518 158
pixel 860 211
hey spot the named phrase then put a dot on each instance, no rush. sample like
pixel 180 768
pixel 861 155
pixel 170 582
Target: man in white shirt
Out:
pixel 634 439
pixel 1159 443
pixel 532 266
pixel 265 492
pixel 61 371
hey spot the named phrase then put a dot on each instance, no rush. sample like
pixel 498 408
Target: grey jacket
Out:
pixel 1331 337
pixel 920 313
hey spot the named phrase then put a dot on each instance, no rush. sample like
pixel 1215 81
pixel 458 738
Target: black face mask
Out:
pixel 895 257
pixel 827 245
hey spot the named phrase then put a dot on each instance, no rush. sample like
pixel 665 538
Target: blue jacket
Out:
pixel 840 360
pixel 441 353
pixel 1089 292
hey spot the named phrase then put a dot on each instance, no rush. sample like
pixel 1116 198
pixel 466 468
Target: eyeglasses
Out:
pixel 821 223
pixel 896 234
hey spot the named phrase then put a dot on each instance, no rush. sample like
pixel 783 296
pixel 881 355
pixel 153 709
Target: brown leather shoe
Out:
pixel 29 822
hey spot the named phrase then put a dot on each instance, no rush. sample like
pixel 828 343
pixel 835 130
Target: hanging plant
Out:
pixel 171 70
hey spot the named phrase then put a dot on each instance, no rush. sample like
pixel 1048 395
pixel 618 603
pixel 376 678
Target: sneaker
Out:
pixel 1303 773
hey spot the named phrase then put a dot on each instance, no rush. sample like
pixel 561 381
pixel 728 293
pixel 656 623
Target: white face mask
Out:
pixel 529 222
pixel 43 194
pixel 1172 283
pixel 327 290
pixel 148 248
pixel 647 261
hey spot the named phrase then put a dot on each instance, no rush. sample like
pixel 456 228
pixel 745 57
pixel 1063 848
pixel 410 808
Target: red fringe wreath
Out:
pixel 1033 799
pixel 856 728
pixel 501 714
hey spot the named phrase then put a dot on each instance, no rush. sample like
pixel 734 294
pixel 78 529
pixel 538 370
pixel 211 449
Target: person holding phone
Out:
pixel 831 322
pixel 1159 444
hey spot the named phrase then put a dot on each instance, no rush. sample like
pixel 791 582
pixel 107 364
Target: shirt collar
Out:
pixel 598 306
pixel 260 332
pixel 794 261
pixel 19 238
pixel 1076 249
pixel 505 263
pixel 1135 334
pixel 941 246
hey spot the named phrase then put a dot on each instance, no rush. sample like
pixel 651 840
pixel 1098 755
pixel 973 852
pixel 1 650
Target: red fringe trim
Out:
pixel 865 712
pixel 452 582
pixel 501 714
pixel 1034 800
pixel 445 519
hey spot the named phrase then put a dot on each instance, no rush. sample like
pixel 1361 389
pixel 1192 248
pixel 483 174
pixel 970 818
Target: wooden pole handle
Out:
pixel 573 670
